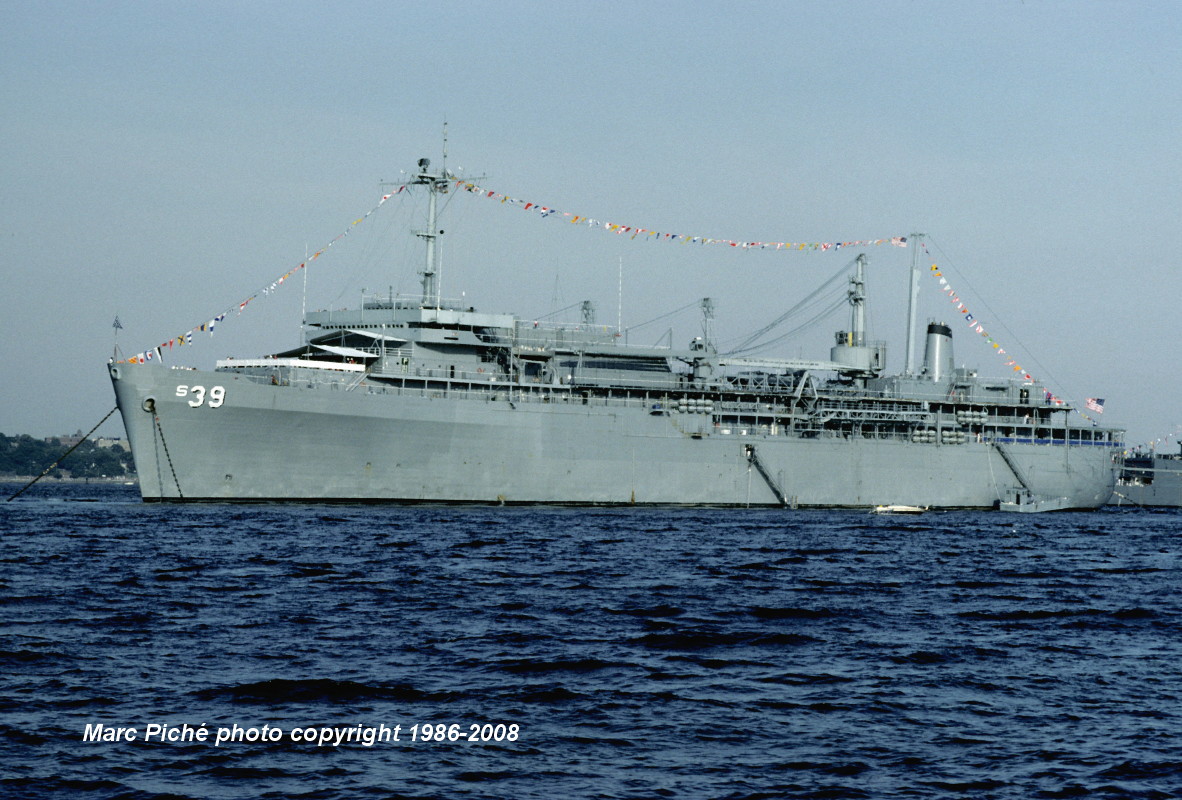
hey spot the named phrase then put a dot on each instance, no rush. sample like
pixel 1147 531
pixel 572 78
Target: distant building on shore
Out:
pixel 98 441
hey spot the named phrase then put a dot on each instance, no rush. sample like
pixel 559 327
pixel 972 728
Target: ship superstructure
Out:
pixel 1150 478
pixel 426 400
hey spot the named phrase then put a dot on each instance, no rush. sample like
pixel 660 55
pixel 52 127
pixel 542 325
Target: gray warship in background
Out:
pixel 1150 479
pixel 426 401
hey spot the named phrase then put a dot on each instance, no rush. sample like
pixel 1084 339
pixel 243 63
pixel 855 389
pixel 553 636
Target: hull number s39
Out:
pixel 213 398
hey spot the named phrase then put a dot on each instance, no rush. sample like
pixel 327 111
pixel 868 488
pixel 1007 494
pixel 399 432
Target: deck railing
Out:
pixel 712 412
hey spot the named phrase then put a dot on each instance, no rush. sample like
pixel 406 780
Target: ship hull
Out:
pixel 1163 489
pixel 367 443
pixel 1150 496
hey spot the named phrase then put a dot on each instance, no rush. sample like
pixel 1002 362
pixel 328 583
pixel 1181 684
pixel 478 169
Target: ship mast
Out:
pixel 436 184
pixel 857 296
pixel 707 306
pixel 912 302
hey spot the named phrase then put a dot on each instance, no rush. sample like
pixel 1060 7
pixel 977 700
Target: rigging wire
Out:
pixel 366 257
pixel 821 316
pixel 663 316
pixel 996 320
pixel 752 342
pixel 381 248
pixel 371 254
pixel 559 311
pixel 63 456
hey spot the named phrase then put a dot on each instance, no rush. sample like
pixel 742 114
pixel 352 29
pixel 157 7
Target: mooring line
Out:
pixel 167 455
pixel 63 458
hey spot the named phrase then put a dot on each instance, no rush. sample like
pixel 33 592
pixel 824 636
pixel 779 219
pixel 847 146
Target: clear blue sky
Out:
pixel 162 161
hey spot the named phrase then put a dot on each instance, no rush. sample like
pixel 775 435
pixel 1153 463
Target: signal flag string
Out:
pixel 975 325
pixel 649 234
pixel 186 338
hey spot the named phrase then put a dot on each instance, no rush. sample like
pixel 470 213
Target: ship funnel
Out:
pixel 937 356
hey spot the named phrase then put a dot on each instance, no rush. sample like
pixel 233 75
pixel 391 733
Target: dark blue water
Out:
pixel 640 653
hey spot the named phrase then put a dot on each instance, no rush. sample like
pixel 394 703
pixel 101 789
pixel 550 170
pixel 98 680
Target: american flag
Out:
pixel 1095 404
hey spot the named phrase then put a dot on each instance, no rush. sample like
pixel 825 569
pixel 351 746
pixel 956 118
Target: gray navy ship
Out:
pixel 425 401
pixel 1150 479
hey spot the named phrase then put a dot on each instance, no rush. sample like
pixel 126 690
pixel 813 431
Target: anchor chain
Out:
pixel 167 455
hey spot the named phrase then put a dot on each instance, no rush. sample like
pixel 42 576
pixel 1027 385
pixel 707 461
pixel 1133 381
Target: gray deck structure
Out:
pixel 1150 479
